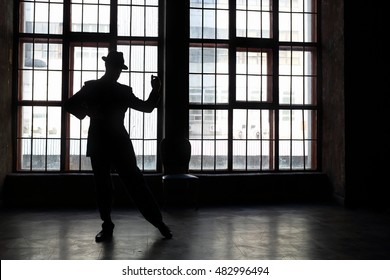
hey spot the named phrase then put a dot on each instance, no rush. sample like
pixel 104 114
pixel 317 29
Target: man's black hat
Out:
pixel 115 58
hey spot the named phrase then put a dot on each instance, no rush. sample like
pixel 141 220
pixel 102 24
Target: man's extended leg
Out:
pixel 139 192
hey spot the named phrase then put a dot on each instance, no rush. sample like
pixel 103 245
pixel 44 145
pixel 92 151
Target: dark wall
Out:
pixel 77 190
pixel 333 95
pixel 367 104
pixel 6 26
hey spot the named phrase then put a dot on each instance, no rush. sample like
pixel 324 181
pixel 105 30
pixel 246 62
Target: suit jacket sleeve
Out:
pixel 147 105
pixel 77 104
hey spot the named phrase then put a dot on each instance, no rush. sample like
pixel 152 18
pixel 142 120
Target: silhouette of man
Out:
pixel 106 101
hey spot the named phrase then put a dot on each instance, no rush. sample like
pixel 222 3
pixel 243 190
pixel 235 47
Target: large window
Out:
pixel 252 78
pixel 61 44
pixel 253 85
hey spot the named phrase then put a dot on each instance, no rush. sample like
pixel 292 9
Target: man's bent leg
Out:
pixel 104 195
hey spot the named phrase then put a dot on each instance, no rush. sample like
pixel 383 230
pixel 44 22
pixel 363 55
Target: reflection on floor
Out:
pixel 269 232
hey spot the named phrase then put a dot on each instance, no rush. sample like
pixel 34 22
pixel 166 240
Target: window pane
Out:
pixel 41 17
pixel 253 18
pixel 39 72
pixel 298 139
pixel 252 139
pixel 297 81
pixel 212 127
pixel 39 139
pixel 209 82
pixel 253 79
pixel 90 16
pixel 209 19
pixel 137 18
pixel 297 20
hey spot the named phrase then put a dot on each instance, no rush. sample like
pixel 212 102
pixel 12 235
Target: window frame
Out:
pixel 69 39
pixel 274 45
pixel 112 40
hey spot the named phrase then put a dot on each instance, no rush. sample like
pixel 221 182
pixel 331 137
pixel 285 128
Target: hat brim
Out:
pixel 123 66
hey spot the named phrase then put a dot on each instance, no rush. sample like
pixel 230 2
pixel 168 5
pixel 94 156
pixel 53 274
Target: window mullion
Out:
pixel 274 118
pixel 232 77
pixel 65 133
pixel 113 24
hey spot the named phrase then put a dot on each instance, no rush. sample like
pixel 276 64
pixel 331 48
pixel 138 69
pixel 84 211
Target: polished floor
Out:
pixel 267 232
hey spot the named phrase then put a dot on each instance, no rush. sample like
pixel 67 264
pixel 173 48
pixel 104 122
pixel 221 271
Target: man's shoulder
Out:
pixel 124 88
pixel 92 83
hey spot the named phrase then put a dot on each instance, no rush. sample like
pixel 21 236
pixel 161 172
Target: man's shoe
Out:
pixel 104 235
pixel 165 231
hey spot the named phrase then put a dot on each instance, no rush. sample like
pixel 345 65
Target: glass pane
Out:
pixel 209 24
pixel 209 19
pixel 104 18
pixel 77 18
pixel 138 18
pixel 137 58
pixel 25 153
pixel 54 85
pixel 90 16
pixel 150 155
pixel 38 161
pixel 138 21
pixel 254 24
pixel 195 90
pixel 89 21
pixel 208 89
pixel 253 18
pixel 195 124
pixel 292 62
pixel 222 90
pixel 252 132
pixel 151 55
pixel 39 138
pixel 222 24
pixel 252 78
pixel 139 152
pixel 151 24
pixel 297 21
pixel 211 125
pixel 53 154
pixel 39 85
pixel 42 18
pixel 54 122
pixel 89 59
pixel 208 155
pixel 297 82
pixel 196 23
pixel 26 122
pixel 196 3
pixel 77 158
pixel 39 122
pixel 40 73
pixel 241 24
pixel 298 134
pixel 55 18
pixel 209 80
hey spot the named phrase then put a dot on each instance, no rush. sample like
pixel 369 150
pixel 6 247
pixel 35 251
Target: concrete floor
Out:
pixel 249 232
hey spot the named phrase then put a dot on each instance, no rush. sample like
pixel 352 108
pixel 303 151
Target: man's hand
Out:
pixel 155 82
